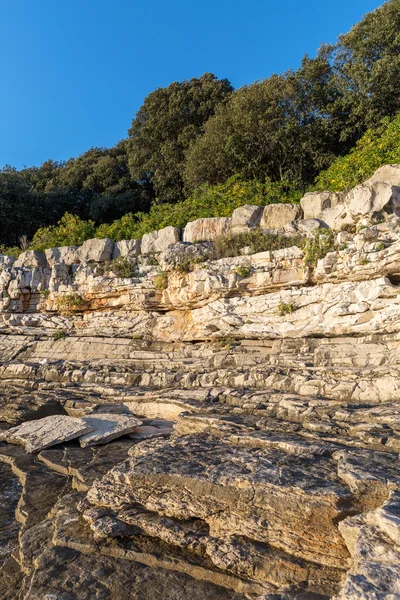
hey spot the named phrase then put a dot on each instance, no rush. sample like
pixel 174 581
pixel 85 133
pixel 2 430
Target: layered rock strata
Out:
pixel 226 430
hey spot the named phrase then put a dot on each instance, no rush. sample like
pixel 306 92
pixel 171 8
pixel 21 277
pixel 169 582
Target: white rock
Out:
pixel 246 217
pixel 43 433
pixel 31 259
pixel 64 254
pixel 127 248
pixel 96 250
pixel 158 241
pixel 105 427
pixel 278 216
pixel 388 173
pixel 207 229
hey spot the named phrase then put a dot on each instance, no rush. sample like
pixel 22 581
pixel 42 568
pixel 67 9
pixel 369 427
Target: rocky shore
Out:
pixel 176 425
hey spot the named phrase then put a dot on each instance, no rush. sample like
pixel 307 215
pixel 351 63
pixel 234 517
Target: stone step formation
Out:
pixel 206 428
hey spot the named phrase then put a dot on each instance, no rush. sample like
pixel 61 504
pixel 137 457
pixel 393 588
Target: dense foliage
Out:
pixel 197 148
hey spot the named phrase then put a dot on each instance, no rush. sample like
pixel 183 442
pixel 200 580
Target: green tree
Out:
pixel 168 121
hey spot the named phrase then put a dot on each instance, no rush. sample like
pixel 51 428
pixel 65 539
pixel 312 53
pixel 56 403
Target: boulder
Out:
pixel 31 259
pixel 106 427
pixel 64 254
pixel 184 253
pixel 127 249
pixel 207 229
pixel 43 433
pixel 367 199
pixel 308 226
pixel 315 203
pixel 388 173
pixel 6 261
pixel 246 217
pixel 158 241
pixel 279 216
pixel 96 250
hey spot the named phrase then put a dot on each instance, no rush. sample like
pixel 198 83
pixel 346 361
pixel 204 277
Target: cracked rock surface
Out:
pixel 198 442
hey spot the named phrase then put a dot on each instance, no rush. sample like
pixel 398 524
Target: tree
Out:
pixel 168 121
pixel 277 129
pixel 366 71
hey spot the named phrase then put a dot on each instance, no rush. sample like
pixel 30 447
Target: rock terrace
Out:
pixel 201 427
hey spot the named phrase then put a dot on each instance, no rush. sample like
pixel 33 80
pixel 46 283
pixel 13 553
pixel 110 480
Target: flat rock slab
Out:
pixel 106 427
pixel 43 433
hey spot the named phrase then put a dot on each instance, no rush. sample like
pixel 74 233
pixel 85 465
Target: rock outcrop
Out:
pixel 176 425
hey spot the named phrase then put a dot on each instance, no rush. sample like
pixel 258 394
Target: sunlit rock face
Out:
pixel 177 425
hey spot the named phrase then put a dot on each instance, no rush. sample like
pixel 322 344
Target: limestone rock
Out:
pixel 43 433
pixel 32 259
pixel 388 173
pixel 68 255
pixel 316 203
pixel 367 199
pixel 107 427
pixel 246 217
pixel 6 261
pixel 308 226
pixel 127 248
pixel 96 250
pixel 185 253
pixel 158 241
pixel 207 229
pixel 279 216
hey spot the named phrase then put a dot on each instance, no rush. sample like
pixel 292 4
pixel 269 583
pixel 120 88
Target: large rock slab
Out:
pixel 158 241
pixel 246 217
pixel 6 261
pixel 127 249
pixel 43 433
pixel 107 427
pixel 68 255
pixel 96 250
pixel 279 216
pixel 207 229
pixel 366 199
pixel 185 254
pixel 31 259
pixel 388 173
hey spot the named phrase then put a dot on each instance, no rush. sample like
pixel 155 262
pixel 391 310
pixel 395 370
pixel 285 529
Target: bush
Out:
pixel 319 246
pixel 123 268
pixel 161 281
pixel 376 148
pixel 243 271
pixel 286 308
pixel 256 240
pixel 70 303
pixel 70 231
pixel 60 334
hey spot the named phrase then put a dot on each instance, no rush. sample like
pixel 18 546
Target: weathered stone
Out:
pixel 6 261
pixel 279 216
pixel 368 199
pixel 158 241
pixel 308 226
pixel 388 173
pixel 68 255
pixel 31 259
pixel 185 253
pixel 127 249
pixel 316 203
pixel 207 229
pixel 46 432
pixel 107 427
pixel 96 250
pixel 246 217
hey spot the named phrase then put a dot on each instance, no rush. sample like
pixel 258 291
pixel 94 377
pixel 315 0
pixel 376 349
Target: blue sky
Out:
pixel 74 73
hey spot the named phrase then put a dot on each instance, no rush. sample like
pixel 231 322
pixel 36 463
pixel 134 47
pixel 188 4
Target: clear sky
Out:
pixel 74 73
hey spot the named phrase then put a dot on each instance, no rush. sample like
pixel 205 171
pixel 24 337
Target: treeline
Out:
pixel 192 140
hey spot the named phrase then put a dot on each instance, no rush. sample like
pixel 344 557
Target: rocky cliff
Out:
pixel 180 425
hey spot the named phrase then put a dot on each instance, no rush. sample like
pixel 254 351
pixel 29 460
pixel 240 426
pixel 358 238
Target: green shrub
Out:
pixel 60 334
pixel 363 261
pixel 243 271
pixel 227 343
pixel 380 246
pixel 257 241
pixel 70 303
pixel 286 308
pixel 319 246
pixel 123 268
pixel 161 280
pixel 14 251
pixel 376 148
pixel 70 231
